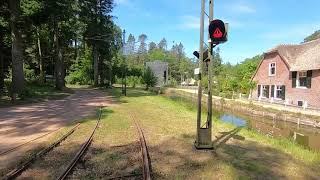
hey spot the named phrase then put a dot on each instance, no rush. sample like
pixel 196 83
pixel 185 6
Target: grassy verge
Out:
pixel 169 127
pixel 35 93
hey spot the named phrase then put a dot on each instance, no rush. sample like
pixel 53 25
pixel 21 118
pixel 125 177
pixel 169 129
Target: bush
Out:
pixel 26 93
pixel 118 80
pixel 7 87
pixel 133 81
pixel 30 75
pixel 172 83
pixel 81 72
pixel 149 79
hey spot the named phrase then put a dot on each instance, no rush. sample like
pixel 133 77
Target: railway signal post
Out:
pixel 217 34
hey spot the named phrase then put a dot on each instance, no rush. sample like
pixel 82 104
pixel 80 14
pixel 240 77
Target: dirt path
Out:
pixel 21 124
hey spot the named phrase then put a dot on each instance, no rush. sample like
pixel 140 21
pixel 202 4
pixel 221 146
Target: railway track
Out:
pixel 16 172
pixel 81 151
pixel 146 162
pixel 146 166
pixel 26 143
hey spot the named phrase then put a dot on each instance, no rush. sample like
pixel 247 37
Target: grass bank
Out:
pixel 35 93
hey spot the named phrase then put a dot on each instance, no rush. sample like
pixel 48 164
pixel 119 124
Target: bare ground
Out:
pixel 21 124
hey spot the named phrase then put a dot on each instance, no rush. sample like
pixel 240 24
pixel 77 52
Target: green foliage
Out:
pixel 237 78
pixel 172 82
pixel 313 36
pixel 30 74
pixel 81 71
pixel 133 81
pixel 149 79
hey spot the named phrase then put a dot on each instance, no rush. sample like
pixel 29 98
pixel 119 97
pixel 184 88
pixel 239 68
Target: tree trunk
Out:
pixel 101 72
pixel 95 65
pixel 42 75
pixel 110 74
pixel 75 49
pixel 1 75
pixel 59 69
pixel 17 49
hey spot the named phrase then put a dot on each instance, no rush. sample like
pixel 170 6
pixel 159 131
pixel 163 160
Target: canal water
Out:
pixel 308 137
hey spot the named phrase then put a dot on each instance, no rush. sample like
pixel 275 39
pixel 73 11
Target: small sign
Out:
pixel 197 71
pixel 218 31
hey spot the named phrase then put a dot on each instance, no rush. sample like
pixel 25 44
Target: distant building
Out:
pixel 290 74
pixel 160 69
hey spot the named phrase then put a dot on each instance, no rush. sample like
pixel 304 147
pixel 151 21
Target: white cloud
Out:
pixel 234 24
pixel 191 22
pixel 121 1
pixel 291 33
pixel 241 7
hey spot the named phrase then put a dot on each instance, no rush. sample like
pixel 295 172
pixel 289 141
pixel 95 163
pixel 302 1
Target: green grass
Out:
pixel 307 155
pixel 35 93
pixel 169 127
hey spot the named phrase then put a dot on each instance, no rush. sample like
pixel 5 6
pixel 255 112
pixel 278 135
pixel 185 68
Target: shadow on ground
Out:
pixel 176 158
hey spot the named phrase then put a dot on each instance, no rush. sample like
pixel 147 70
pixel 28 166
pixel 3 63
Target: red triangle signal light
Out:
pixel 217 33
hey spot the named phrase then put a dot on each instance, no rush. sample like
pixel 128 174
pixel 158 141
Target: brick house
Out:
pixel 290 74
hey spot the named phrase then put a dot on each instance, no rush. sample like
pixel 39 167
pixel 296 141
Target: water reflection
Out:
pixel 239 122
pixel 305 136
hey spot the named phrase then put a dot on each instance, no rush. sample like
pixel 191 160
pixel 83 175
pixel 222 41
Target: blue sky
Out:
pixel 254 25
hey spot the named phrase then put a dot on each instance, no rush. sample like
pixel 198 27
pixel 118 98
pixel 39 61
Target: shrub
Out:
pixel 30 75
pixel 133 81
pixel 172 83
pixel 118 80
pixel 81 72
pixel 149 79
pixel 26 93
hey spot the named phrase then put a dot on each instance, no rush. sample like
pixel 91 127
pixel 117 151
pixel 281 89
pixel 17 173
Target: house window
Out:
pixel 265 91
pixel 300 103
pixel 302 79
pixel 272 69
pixel 280 92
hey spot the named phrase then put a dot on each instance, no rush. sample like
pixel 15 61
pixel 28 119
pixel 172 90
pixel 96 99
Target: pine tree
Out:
pixel 18 83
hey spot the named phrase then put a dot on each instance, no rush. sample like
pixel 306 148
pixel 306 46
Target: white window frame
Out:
pixel 277 88
pixel 298 79
pixel 262 88
pixel 275 68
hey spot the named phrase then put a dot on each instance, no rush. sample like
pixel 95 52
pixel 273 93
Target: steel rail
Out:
pixel 14 173
pixel 144 152
pixel 81 152
pixel 23 144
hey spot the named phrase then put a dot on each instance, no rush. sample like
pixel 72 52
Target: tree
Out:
pixel 149 79
pixel 152 47
pixel 130 45
pixel 98 33
pixel 5 43
pixel 17 47
pixel 163 44
pixel 142 51
pixel 313 36
pixel 217 62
